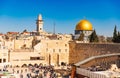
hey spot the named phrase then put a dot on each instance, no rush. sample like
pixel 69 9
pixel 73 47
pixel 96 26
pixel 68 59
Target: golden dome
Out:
pixel 84 25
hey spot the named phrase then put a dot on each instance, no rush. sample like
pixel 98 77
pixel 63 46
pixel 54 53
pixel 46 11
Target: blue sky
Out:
pixel 17 15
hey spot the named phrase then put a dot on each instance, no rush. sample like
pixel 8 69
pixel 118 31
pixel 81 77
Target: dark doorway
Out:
pixel 49 59
pixel 57 59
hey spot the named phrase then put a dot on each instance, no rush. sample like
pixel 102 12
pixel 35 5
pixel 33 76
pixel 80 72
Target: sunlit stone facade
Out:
pixel 3 55
pixel 38 47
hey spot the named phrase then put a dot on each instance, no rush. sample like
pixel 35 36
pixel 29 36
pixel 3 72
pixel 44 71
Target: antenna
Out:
pixel 54 28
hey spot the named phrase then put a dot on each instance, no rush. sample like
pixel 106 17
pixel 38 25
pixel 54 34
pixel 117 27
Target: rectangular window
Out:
pixel 4 60
pixel 59 50
pixel 65 50
pixel 34 58
pixel 53 50
pixel 37 58
pixel 0 60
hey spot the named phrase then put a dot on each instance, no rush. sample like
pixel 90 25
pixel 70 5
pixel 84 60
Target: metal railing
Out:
pixel 89 73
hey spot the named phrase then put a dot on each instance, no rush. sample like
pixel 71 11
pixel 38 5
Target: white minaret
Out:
pixel 39 23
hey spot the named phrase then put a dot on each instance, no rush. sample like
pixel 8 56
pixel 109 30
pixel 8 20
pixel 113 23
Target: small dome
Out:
pixel 84 25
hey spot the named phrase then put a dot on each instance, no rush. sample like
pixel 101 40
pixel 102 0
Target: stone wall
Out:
pixel 103 61
pixel 81 51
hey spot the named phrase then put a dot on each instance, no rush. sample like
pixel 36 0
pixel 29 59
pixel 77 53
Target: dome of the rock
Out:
pixel 84 25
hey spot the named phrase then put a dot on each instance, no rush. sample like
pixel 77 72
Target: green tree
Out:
pixel 25 30
pixel 93 37
pixel 118 39
pixel 109 39
pixel 115 35
pixel 81 37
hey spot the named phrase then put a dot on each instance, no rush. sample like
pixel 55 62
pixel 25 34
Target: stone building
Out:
pixel 55 51
pixel 3 55
pixel 39 47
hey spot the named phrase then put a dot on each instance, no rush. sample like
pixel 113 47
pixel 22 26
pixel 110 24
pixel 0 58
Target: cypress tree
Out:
pixel 118 37
pixel 115 35
pixel 81 37
pixel 93 37
pixel 25 30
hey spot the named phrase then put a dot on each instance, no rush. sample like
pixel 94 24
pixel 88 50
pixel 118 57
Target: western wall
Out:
pixel 81 51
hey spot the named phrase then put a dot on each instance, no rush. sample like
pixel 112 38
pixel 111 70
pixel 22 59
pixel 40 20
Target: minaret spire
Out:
pixel 39 17
pixel 39 23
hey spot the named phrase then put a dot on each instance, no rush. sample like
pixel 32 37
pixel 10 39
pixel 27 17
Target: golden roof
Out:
pixel 84 25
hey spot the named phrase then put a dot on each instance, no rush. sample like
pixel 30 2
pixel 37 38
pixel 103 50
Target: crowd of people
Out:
pixel 101 67
pixel 39 71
